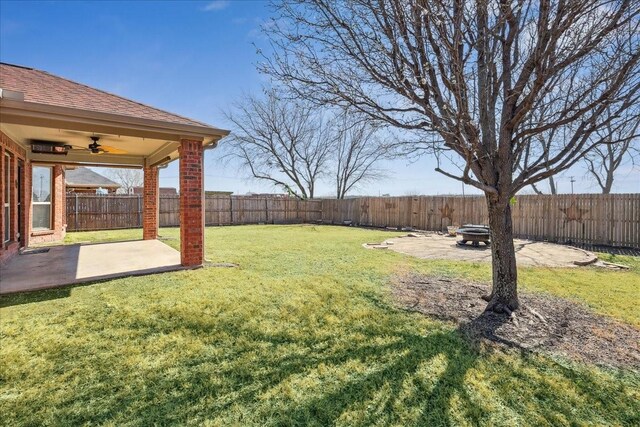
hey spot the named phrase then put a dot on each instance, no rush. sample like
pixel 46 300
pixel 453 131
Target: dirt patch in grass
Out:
pixel 544 323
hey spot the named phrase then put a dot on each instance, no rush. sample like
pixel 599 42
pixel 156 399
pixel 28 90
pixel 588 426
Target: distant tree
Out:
pixel 295 144
pixel 358 152
pixel 487 81
pixel 622 147
pixel 551 180
pixel 614 144
pixel 281 141
pixel 127 178
pixel 552 187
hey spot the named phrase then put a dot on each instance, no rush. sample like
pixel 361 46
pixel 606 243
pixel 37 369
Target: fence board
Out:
pixel 612 219
pixel 585 218
pixel 90 212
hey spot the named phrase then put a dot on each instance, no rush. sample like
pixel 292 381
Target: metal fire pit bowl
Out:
pixel 474 234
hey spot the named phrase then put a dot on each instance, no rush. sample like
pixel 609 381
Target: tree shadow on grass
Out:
pixel 35 296
pixel 411 353
pixel 406 376
pixel 260 390
pixel 362 392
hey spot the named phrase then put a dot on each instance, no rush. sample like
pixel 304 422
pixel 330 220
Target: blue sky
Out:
pixel 194 59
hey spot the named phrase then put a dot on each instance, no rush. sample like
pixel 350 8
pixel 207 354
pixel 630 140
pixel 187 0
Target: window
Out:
pixel 41 198
pixel 7 198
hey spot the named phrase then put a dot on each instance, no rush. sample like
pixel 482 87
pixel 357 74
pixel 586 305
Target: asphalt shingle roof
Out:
pixel 84 177
pixel 45 88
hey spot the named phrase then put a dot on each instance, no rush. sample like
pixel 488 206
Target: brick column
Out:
pixel 59 205
pixel 151 204
pixel 191 203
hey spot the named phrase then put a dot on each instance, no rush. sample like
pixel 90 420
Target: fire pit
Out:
pixel 474 234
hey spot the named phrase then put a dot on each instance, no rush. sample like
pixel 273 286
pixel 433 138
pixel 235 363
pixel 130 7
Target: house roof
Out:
pixel 41 87
pixel 85 177
pixel 163 191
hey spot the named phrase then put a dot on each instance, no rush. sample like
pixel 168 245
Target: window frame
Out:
pixel 50 202
pixel 6 203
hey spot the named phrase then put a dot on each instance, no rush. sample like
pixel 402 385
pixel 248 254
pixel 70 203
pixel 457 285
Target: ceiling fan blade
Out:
pixel 113 150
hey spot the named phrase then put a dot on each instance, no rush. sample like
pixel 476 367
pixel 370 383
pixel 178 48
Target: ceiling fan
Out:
pixel 96 148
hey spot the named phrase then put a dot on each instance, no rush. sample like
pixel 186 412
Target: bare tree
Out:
pixel 551 180
pixel 620 137
pixel 281 141
pixel 621 148
pixel 482 80
pixel 358 152
pixel 127 178
pixel 552 187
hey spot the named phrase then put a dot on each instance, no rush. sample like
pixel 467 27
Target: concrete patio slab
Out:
pixel 73 264
pixel 528 253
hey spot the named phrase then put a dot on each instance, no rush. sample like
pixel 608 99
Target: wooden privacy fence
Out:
pixel 235 210
pixel 582 218
pixel 599 219
pixel 90 212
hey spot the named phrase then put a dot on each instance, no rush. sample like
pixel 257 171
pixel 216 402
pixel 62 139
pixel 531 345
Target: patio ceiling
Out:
pixel 145 142
pixel 36 105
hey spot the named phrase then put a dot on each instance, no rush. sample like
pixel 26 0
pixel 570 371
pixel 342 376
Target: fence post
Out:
pixel 230 210
pixel 140 211
pixel 266 211
pixel 75 216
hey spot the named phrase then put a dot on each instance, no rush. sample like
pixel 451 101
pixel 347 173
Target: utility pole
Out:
pixel 572 181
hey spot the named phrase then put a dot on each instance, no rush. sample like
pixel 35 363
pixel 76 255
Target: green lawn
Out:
pixel 303 333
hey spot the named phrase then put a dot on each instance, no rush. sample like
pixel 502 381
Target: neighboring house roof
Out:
pixel 217 193
pixel 85 177
pixel 163 191
pixel 44 88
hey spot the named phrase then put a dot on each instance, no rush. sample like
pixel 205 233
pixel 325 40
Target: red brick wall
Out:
pixel 151 203
pixel 191 203
pixel 12 146
pixel 17 153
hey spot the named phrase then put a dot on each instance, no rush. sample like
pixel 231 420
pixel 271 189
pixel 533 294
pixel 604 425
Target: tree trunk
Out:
pixel 552 185
pixel 608 183
pixel 504 294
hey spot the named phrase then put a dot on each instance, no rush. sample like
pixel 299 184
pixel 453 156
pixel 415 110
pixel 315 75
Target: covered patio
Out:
pixel 48 123
pixel 50 267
